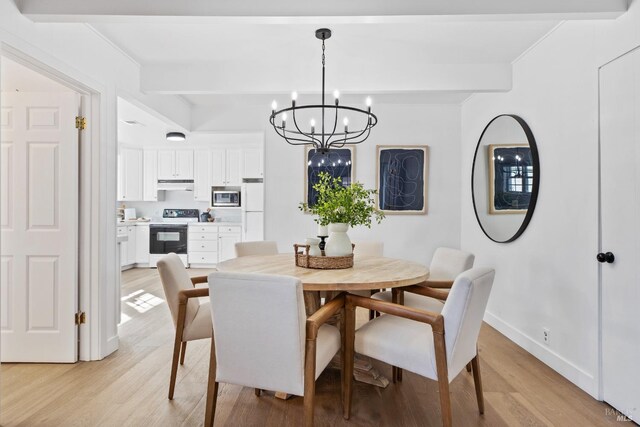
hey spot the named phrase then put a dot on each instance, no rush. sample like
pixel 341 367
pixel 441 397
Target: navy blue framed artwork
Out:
pixel 402 178
pixel 510 178
pixel 338 162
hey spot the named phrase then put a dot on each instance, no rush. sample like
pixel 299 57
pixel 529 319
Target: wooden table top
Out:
pixel 367 272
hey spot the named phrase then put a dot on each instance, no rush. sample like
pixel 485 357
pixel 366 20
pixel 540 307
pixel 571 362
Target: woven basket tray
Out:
pixel 303 259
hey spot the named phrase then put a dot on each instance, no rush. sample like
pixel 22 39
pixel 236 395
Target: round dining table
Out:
pixel 367 273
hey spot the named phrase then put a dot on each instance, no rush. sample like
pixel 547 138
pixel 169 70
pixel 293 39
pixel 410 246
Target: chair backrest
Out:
pixel 256 248
pixel 372 248
pixel 447 263
pixel 174 279
pixel 463 312
pixel 259 330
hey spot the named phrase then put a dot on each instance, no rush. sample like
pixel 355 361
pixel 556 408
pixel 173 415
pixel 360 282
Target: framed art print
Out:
pixel 401 176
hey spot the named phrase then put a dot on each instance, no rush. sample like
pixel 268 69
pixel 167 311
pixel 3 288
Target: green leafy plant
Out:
pixel 352 204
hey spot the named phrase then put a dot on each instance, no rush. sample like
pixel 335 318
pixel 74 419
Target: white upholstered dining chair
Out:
pixel 189 308
pixel 256 248
pixel 436 344
pixel 445 266
pixel 264 340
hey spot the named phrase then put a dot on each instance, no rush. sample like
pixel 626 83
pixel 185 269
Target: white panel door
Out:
pixel 218 167
pixel 234 167
pixel 150 176
pixel 184 164
pixel 620 213
pixel 252 163
pixel 166 161
pixel 202 176
pixel 38 280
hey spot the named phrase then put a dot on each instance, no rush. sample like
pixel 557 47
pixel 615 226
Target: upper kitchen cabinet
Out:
pixel 150 171
pixel 226 167
pixel 202 176
pixel 130 174
pixel 175 164
pixel 252 163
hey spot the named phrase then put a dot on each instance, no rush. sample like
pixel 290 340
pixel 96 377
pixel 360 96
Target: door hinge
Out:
pixel 81 123
pixel 81 317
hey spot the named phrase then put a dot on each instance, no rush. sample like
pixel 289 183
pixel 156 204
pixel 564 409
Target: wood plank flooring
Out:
pixel 129 388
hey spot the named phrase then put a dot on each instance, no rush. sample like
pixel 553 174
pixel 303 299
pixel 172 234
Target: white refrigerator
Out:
pixel 252 202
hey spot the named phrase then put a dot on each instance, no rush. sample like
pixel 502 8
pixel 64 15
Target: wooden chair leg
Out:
pixel 309 381
pixel 258 392
pixel 348 343
pixel 469 367
pixel 397 297
pixel 443 379
pixel 182 311
pixel 477 379
pixel 394 374
pixel 212 389
pixel 183 350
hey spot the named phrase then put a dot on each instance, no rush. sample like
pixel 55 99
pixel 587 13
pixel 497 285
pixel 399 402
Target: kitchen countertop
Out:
pixel 223 224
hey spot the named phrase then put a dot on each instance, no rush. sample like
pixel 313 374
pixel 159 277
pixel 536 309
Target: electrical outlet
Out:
pixel 546 336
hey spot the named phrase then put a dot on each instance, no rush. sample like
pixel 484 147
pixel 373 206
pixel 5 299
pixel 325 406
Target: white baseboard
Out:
pixel 571 372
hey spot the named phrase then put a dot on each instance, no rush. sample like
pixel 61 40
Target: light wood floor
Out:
pixel 129 388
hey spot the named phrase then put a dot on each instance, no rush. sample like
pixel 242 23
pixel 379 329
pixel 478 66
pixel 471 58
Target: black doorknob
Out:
pixel 605 257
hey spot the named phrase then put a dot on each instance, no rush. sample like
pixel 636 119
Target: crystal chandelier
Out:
pixel 324 137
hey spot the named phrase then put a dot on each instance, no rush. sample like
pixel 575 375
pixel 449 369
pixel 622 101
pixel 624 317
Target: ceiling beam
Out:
pixel 280 11
pixel 385 78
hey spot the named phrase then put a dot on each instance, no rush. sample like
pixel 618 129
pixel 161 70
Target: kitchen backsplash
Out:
pixel 180 200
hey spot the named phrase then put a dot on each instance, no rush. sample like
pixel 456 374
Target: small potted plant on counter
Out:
pixel 341 207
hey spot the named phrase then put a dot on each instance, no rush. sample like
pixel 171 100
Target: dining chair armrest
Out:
pixel 434 319
pixel 437 283
pixel 436 293
pixel 323 314
pixel 185 294
pixel 199 279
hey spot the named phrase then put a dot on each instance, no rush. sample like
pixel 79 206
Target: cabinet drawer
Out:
pixel 203 257
pixel 203 245
pixel 203 229
pixel 203 236
pixel 232 229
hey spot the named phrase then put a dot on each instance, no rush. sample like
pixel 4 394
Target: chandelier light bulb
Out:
pixel 336 94
pixel 294 95
pixel 346 121
pixel 313 122
pixel 274 105
pixel 368 101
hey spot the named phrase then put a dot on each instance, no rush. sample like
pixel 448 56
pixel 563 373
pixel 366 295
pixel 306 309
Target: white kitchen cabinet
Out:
pixel 150 176
pixel 130 174
pixel 226 167
pixel 184 164
pixel 253 226
pixel 202 176
pixel 122 231
pixel 175 164
pixel 142 244
pixel 227 239
pixel 252 163
pixel 234 167
pixel 131 244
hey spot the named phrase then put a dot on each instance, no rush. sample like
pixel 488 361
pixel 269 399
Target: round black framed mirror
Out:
pixel 505 178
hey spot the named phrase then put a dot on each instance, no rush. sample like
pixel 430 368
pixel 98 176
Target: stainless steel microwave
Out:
pixel 225 198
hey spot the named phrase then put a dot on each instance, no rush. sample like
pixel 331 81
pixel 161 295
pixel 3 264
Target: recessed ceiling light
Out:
pixel 176 136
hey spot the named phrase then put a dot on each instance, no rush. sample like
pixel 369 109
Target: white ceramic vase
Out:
pixel 338 243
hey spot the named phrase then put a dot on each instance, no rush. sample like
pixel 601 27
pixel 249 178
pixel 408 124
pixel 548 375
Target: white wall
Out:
pixel 83 55
pixel 548 277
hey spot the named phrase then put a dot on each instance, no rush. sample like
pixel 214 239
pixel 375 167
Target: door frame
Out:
pixel 599 249
pixel 90 346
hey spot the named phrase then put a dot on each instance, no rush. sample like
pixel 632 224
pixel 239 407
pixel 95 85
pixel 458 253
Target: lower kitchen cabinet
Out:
pixel 227 246
pixel 211 244
pixel 142 244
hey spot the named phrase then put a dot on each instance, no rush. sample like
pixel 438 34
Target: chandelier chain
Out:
pixel 323 53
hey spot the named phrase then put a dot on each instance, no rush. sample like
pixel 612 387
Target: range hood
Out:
pixel 175 184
